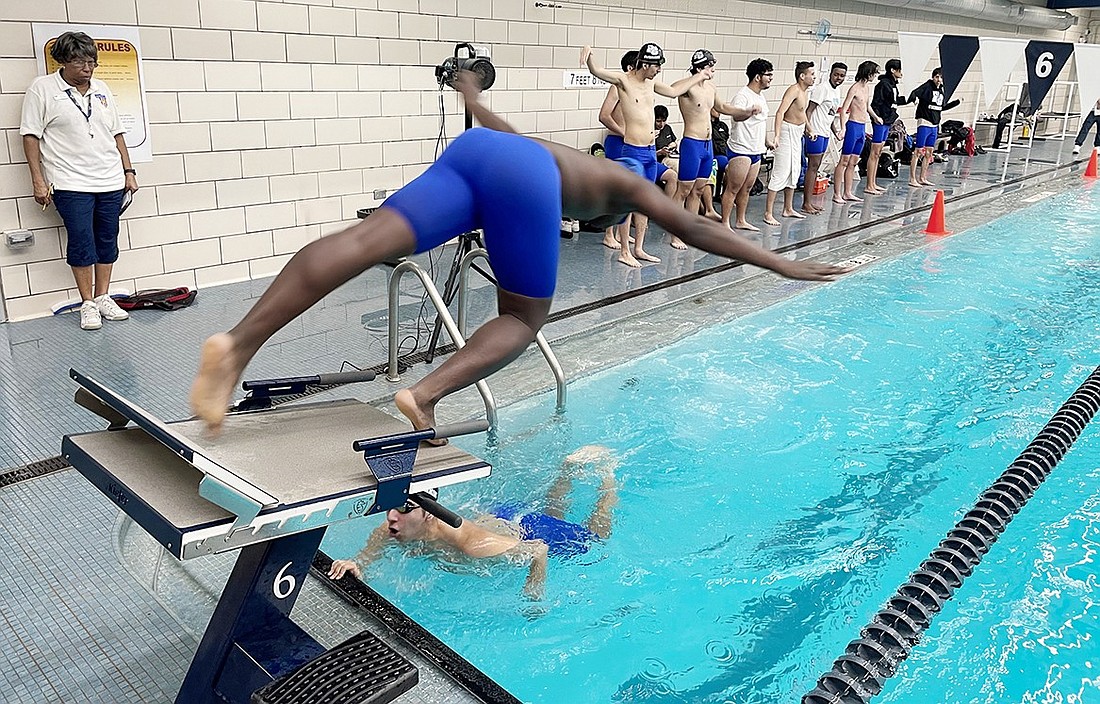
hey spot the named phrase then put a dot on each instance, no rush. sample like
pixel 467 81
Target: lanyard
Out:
pixel 87 115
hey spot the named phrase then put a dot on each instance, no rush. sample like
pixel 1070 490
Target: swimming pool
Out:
pixel 783 473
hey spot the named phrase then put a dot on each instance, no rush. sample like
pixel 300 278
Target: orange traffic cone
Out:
pixel 1090 170
pixel 936 225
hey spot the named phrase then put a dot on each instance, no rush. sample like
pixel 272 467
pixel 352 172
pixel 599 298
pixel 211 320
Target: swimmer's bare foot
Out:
pixel 219 371
pixel 610 242
pixel 769 220
pixel 645 256
pixel 853 199
pixel 841 201
pixel 744 225
pixel 811 209
pixel 927 183
pixel 713 215
pixel 793 214
pixel 628 259
pixel 915 185
pixel 420 417
pixel 678 243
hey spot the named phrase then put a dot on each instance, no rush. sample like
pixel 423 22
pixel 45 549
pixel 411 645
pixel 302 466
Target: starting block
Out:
pixel 269 485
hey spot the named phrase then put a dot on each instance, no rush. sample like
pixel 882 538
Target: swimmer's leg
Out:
pixel 489 349
pixel 311 274
pixel 600 520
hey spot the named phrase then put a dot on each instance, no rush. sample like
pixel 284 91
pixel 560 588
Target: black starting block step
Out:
pixel 361 670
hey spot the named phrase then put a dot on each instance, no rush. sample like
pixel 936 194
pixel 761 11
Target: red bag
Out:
pixel 159 299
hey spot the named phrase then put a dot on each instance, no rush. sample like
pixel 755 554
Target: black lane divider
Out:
pixel 30 471
pixel 861 672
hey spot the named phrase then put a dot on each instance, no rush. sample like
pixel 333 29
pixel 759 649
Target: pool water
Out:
pixel 782 474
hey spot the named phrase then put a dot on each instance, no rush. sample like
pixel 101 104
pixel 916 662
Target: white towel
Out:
pixel 787 161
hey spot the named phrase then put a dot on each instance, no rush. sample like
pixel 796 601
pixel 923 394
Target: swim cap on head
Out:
pixel 701 59
pixel 632 164
pixel 651 54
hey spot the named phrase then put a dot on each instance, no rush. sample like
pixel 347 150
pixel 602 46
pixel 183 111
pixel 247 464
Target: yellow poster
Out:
pixel 119 67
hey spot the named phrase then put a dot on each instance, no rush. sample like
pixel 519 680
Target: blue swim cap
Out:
pixel 632 164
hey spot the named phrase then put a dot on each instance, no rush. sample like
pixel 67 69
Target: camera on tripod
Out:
pixel 468 57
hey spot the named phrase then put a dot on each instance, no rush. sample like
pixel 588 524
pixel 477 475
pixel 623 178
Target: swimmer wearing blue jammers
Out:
pixel 514 531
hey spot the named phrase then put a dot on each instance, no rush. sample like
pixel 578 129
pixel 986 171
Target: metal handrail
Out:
pixel 392 371
pixel 540 340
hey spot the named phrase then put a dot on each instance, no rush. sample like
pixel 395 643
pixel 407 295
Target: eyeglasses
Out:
pixel 84 64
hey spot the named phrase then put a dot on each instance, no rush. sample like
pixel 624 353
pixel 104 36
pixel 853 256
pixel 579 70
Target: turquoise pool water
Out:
pixel 782 474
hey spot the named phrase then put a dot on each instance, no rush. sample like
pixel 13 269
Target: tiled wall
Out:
pixel 273 122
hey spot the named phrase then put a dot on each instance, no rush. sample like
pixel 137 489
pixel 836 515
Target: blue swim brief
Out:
pixel 646 156
pixel 855 134
pixel 613 146
pixel 878 136
pixel 696 159
pixel 926 137
pixel 661 171
pixel 562 538
pixel 817 145
pixel 753 158
pixel 505 184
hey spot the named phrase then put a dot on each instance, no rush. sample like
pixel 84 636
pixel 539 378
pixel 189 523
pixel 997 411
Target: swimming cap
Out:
pixel 701 59
pixel 651 54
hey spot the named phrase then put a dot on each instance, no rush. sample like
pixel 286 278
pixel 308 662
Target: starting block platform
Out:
pixel 269 485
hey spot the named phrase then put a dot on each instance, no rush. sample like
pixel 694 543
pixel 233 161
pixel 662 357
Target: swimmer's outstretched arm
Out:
pixel 713 237
pixel 593 66
pixel 683 85
pixel 467 84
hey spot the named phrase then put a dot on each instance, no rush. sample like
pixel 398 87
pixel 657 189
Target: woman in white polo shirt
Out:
pixel 73 140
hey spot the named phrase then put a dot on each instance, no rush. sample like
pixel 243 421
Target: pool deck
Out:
pixel 77 623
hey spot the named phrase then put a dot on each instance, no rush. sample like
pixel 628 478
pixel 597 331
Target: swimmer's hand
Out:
pixel 756 109
pixel 708 72
pixel 771 143
pixel 586 52
pixel 811 271
pixel 341 567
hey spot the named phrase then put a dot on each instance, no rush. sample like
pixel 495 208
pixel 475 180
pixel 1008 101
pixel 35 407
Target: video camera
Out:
pixel 468 57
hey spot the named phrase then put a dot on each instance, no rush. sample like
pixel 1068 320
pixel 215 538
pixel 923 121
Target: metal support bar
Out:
pixel 392 373
pixel 551 359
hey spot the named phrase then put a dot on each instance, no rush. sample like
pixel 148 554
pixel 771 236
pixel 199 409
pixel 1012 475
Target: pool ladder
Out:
pixel 861 672
pixel 457 331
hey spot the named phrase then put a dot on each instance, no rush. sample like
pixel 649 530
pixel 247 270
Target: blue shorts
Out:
pixel 646 156
pixel 817 145
pixel 880 133
pixel 562 538
pixel 753 158
pixel 661 171
pixel 855 134
pixel 507 185
pixel 926 137
pixel 696 158
pixel 613 146
pixel 91 221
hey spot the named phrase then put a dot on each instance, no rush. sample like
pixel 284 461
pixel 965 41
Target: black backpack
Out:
pixel 160 299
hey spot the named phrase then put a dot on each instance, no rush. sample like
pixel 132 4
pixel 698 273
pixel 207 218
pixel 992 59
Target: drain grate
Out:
pixel 32 470
pixel 361 670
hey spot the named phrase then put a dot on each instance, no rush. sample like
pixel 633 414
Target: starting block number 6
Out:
pixel 284 583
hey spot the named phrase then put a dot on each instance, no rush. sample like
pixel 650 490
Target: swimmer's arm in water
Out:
pixel 539 554
pixel 467 84
pixel 364 558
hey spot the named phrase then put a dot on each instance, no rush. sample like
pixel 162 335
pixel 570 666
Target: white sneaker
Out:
pixel 109 309
pixel 1076 148
pixel 89 316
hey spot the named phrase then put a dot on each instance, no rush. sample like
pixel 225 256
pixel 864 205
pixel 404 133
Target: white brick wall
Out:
pixel 274 121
